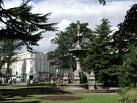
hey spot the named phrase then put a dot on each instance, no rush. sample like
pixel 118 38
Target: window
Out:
pixel 31 62
pixel 31 55
pixel 31 70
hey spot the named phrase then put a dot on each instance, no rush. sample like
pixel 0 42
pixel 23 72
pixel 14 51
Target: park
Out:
pixel 68 58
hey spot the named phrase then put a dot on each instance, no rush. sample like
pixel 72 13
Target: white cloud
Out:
pixel 12 3
pixel 45 45
pixel 63 24
pixel 92 12
pixel 66 11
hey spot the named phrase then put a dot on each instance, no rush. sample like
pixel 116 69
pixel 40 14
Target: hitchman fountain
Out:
pixel 78 52
pixel 80 78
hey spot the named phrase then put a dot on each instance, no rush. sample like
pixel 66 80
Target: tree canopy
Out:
pixel 100 53
pixel 125 43
pixel 102 2
pixel 21 24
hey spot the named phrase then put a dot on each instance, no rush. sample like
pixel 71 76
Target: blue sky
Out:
pixel 66 11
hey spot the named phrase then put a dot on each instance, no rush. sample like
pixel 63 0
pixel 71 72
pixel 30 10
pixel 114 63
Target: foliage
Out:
pixel 102 2
pixel 8 48
pixel 127 34
pixel 21 24
pixel 98 46
pixel 125 76
pixel 125 46
pixel 100 54
pixel 128 27
pixel 53 54
pixel 130 67
pixel 42 84
pixel 127 96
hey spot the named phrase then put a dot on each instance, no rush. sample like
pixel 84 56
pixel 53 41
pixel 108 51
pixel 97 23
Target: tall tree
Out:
pixel 22 27
pixel 99 55
pixel 8 48
pixel 125 42
pixel 128 71
pixel 127 33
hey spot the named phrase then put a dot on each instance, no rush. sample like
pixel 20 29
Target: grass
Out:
pixel 90 98
pixel 32 95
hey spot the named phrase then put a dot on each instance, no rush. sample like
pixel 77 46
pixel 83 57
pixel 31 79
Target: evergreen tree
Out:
pixel 100 54
pixel 127 33
pixel 21 28
pixel 21 24
pixel 8 48
pixel 128 74
pixel 125 45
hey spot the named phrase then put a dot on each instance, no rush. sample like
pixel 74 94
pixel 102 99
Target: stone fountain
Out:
pixel 79 81
pixel 78 52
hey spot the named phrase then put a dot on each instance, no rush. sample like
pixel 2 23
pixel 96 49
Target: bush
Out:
pixel 127 96
pixel 42 84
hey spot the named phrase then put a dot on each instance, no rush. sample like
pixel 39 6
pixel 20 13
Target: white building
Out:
pixel 33 66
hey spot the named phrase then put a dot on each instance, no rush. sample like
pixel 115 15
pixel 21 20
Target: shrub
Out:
pixel 42 84
pixel 127 96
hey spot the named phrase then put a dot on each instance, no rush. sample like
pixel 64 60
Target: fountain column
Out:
pixel 77 71
pixel 78 64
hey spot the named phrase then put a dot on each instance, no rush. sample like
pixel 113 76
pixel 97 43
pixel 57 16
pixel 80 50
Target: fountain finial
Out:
pixel 78 28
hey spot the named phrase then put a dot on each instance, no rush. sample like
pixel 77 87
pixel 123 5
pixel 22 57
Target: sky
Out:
pixel 65 12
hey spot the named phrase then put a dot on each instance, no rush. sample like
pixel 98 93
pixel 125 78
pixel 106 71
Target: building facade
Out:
pixel 36 67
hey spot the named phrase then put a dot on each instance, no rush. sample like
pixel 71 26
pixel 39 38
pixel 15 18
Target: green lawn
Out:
pixel 32 95
pixel 91 98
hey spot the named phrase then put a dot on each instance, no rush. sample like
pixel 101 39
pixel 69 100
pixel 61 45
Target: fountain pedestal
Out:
pixel 65 78
pixel 76 77
pixel 91 81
